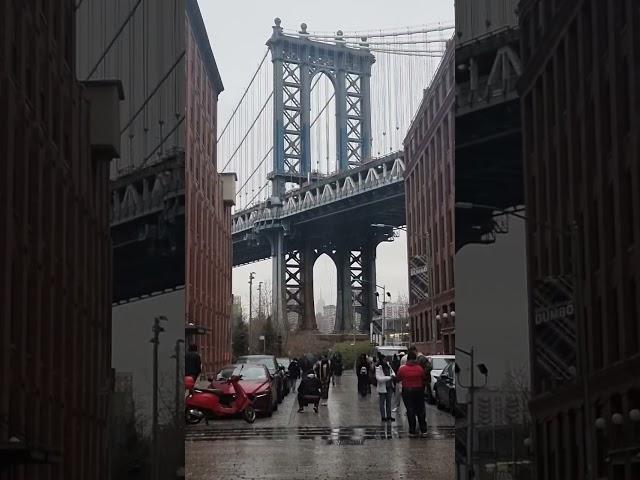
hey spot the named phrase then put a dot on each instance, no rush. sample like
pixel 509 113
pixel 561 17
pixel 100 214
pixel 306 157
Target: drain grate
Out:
pixel 332 436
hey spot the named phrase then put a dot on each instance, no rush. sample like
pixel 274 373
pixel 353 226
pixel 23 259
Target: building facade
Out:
pixel 580 115
pixel 55 254
pixel 429 186
pixel 208 202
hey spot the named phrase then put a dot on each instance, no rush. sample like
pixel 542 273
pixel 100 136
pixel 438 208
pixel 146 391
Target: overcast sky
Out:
pixel 238 31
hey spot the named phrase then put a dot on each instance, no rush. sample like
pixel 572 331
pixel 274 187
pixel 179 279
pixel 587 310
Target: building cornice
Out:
pixel 202 39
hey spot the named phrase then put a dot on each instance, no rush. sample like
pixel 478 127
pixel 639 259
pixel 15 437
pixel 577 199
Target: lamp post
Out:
pixel 252 275
pixel 178 380
pixel 577 274
pixel 156 329
pixel 385 294
pixel 470 414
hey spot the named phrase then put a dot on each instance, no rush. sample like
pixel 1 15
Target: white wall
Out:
pixel 132 351
pixel 491 304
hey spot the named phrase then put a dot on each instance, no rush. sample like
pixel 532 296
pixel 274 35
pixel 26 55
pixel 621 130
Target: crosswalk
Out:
pixel 352 435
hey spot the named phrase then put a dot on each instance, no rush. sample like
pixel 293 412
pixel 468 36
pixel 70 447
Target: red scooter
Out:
pixel 204 403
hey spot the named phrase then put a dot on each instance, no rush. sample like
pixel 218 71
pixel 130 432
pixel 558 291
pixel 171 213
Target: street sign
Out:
pixel 261 337
pixel 554 333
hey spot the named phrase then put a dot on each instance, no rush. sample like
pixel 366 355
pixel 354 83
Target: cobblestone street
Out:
pixel 345 440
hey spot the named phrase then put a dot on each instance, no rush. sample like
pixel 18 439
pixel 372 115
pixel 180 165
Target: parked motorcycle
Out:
pixel 205 403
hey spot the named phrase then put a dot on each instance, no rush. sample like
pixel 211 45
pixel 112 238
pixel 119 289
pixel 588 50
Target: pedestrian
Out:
pixel 384 386
pixel 362 372
pixel 294 374
pixel 397 396
pixel 336 369
pixel 403 360
pixel 192 363
pixel 309 391
pixel 395 362
pixel 323 372
pixel 413 378
pixel 372 374
pixel 426 365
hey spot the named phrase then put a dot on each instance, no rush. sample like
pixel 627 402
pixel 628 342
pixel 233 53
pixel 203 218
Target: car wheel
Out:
pixel 249 414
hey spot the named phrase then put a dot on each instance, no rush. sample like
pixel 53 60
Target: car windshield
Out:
pixel 268 362
pixel 251 373
pixel 440 363
pixel 225 373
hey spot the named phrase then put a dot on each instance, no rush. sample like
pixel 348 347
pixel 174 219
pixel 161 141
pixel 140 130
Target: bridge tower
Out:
pixel 297 59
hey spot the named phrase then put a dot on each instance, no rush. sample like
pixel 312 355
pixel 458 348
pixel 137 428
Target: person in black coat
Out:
pixel 362 371
pixel 294 374
pixel 192 362
pixel 309 391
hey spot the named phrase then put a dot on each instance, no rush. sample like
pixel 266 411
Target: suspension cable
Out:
pixel 244 94
pixel 249 130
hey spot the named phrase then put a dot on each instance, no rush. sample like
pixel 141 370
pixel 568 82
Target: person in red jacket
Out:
pixel 413 378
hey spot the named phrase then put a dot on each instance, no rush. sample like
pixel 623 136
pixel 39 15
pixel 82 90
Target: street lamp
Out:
pixel 252 275
pixel 576 273
pixel 385 294
pixel 472 388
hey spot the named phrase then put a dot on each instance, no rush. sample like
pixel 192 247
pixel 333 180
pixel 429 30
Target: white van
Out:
pixel 390 350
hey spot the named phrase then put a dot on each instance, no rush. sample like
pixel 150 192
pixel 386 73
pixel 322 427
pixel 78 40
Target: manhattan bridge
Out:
pixel 316 139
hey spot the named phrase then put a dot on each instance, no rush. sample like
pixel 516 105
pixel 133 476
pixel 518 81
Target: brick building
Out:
pixel 209 197
pixel 580 116
pixel 429 186
pixel 55 249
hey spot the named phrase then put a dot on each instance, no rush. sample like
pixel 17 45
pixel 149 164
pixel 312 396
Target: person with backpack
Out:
pixel 323 372
pixel 384 385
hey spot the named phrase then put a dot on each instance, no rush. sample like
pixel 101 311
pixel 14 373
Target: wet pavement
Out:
pixel 345 440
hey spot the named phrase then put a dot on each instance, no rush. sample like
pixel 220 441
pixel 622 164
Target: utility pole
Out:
pixel 252 275
pixel 156 329
pixel 178 402
pixel 384 311
pixel 259 300
pixel 470 414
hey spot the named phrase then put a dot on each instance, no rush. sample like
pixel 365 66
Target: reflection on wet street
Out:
pixel 344 440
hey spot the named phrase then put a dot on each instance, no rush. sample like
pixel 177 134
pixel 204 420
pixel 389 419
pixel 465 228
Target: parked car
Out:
pixel 444 390
pixel 257 382
pixel 271 363
pixel 438 363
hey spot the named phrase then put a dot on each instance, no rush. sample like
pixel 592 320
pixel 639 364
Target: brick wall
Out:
pixel 55 257
pixel 208 235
